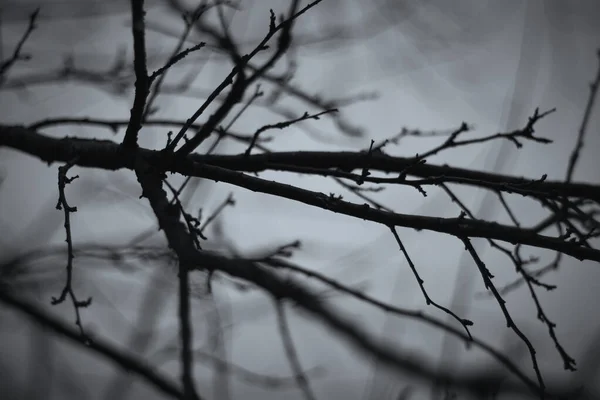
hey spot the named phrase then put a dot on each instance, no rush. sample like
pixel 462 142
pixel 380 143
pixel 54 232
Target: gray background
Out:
pixel 434 64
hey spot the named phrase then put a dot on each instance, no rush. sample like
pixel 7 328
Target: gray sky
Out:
pixel 487 63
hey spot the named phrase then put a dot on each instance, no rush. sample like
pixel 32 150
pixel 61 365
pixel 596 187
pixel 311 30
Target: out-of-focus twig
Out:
pixel 16 55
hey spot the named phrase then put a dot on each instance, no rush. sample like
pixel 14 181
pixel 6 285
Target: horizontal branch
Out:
pixel 44 147
pixel 106 154
pixel 348 161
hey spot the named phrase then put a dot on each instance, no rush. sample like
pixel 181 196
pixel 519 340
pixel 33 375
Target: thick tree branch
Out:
pixel 182 243
pixel 96 152
pixel 281 288
pixel 105 154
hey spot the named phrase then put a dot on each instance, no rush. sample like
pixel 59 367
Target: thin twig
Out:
pixel 584 122
pixel 489 285
pixel 463 321
pixel 16 55
pixel 62 204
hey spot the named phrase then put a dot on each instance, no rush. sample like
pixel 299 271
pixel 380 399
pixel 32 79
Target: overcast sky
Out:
pixel 433 66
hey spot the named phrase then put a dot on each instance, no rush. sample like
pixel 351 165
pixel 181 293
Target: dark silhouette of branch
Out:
pixel 489 285
pixel 401 312
pixel 282 125
pixel 229 201
pixel 241 82
pixel 181 243
pixel 594 227
pixel 572 207
pixel 142 81
pixel 105 154
pixel 463 321
pixel 62 204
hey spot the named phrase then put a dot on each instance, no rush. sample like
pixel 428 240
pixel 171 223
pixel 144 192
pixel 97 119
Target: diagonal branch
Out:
pixel 105 154
pixel 98 345
pixel 402 312
pixel 16 55
pixel 584 122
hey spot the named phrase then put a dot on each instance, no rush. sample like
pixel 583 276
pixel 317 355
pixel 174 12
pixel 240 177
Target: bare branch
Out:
pixel 16 55
pixel 142 82
pixel 463 321
pixel 182 243
pixel 584 122
pixel 104 154
pixel 62 204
